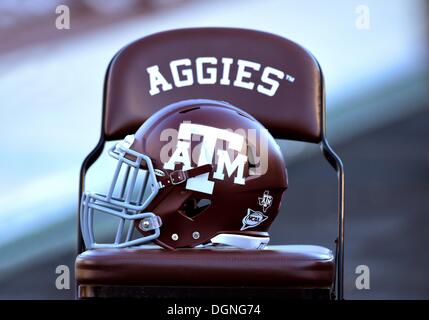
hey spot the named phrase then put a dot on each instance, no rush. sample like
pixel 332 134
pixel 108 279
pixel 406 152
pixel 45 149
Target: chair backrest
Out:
pixel 272 78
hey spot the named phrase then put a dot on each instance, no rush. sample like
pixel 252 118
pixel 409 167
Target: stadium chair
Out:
pixel 280 84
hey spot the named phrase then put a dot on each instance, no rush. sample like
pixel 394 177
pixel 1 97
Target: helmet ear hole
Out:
pixel 193 207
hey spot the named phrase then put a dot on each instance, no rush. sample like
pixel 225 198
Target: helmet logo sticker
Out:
pixel 253 219
pixel 210 135
pixel 265 201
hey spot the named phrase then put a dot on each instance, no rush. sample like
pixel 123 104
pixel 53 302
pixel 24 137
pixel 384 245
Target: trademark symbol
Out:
pixel 289 78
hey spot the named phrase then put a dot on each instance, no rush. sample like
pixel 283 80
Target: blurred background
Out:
pixel 374 55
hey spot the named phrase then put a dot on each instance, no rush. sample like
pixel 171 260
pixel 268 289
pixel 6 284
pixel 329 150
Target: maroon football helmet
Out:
pixel 196 172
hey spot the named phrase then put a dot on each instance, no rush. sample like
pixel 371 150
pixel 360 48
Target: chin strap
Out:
pixel 180 176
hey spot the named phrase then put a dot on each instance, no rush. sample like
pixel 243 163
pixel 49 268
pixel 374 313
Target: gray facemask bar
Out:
pixel 123 207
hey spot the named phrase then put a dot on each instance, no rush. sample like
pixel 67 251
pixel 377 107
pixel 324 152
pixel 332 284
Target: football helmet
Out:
pixel 197 172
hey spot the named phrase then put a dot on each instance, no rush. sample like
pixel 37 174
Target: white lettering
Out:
pixel 265 78
pixel 212 72
pixel 243 74
pixel 180 155
pixel 226 67
pixel 225 162
pixel 156 79
pixel 207 70
pixel 186 73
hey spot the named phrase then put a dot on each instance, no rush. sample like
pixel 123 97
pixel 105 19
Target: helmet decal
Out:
pixel 265 201
pixel 211 135
pixel 253 219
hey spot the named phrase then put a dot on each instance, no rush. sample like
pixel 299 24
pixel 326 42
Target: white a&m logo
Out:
pixel 210 136
pixel 249 75
pixel 265 201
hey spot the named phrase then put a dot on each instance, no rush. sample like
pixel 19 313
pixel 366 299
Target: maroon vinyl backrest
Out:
pixel 272 78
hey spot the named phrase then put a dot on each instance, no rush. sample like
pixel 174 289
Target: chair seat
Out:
pixel 291 266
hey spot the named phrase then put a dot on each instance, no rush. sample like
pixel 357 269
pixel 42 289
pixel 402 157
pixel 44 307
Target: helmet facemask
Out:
pixel 134 185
